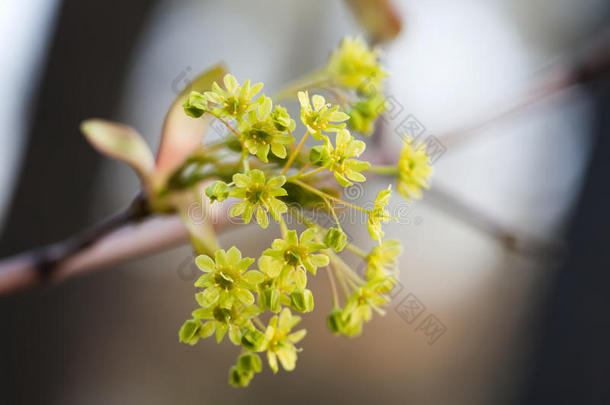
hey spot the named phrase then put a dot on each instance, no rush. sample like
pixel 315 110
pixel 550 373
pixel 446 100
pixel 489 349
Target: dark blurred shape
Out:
pixel 378 17
pixel 571 361
pixel 83 78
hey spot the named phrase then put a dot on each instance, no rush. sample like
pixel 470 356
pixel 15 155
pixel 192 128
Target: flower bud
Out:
pixel 253 340
pixel 249 363
pixel 195 105
pixel 239 379
pixel 270 299
pixel 281 119
pixel 189 332
pixel 335 239
pixel 319 155
pixel 334 321
pixel 217 191
pixel 302 300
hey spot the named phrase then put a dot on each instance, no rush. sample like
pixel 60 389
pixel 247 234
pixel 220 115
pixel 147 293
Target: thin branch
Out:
pixel 509 239
pixel 127 242
pixel 591 65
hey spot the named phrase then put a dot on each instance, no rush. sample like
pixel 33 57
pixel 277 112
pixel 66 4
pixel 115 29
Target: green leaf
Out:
pixel 121 143
pixel 183 134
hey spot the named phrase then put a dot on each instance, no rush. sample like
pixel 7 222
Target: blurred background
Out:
pixel 506 253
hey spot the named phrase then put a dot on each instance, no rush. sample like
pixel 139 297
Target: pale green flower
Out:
pixel 379 214
pixel 282 120
pixel 233 101
pixel 298 255
pixel 221 320
pixel 279 342
pixel 340 159
pixel 274 290
pixel 360 305
pixel 226 281
pixel 247 365
pixel 382 259
pixel 354 65
pixel 260 132
pixel 195 105
pixel 217 191
pixel 335 239
pixel 258 195
pixel 413 170
pixel 320 117
pixel 364 114
pixel 382 265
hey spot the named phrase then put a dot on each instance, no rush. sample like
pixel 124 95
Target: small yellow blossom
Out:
pixel 320 117
pixel 379 214
pixel 413 170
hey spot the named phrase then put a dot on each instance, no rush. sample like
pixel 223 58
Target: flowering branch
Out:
pixel 235 298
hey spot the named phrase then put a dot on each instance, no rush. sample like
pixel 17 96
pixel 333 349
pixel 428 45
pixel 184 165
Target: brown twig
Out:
pixel 127 242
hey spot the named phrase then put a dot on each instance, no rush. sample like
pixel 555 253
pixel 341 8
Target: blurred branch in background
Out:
pixel 591 64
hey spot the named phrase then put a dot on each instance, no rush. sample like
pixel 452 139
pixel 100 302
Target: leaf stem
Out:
pixel 385 170
pixel 333 286
pixel 325 195
pixel 318 170
pixel 295 153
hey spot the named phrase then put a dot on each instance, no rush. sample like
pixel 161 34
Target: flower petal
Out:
pixel 205 263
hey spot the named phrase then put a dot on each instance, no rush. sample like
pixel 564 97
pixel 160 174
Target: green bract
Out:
pixel 320 117
pixel 258 194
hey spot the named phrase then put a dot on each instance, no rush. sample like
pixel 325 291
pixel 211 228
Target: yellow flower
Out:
pixel 321 116
pixel 340 159
pixel 258 195
pixel 364 114
pixel 382 260
pixel 260 133
pixel 379 214
pixel 236 100
pixel 279 342
pixel 354 65
pixel 413 170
